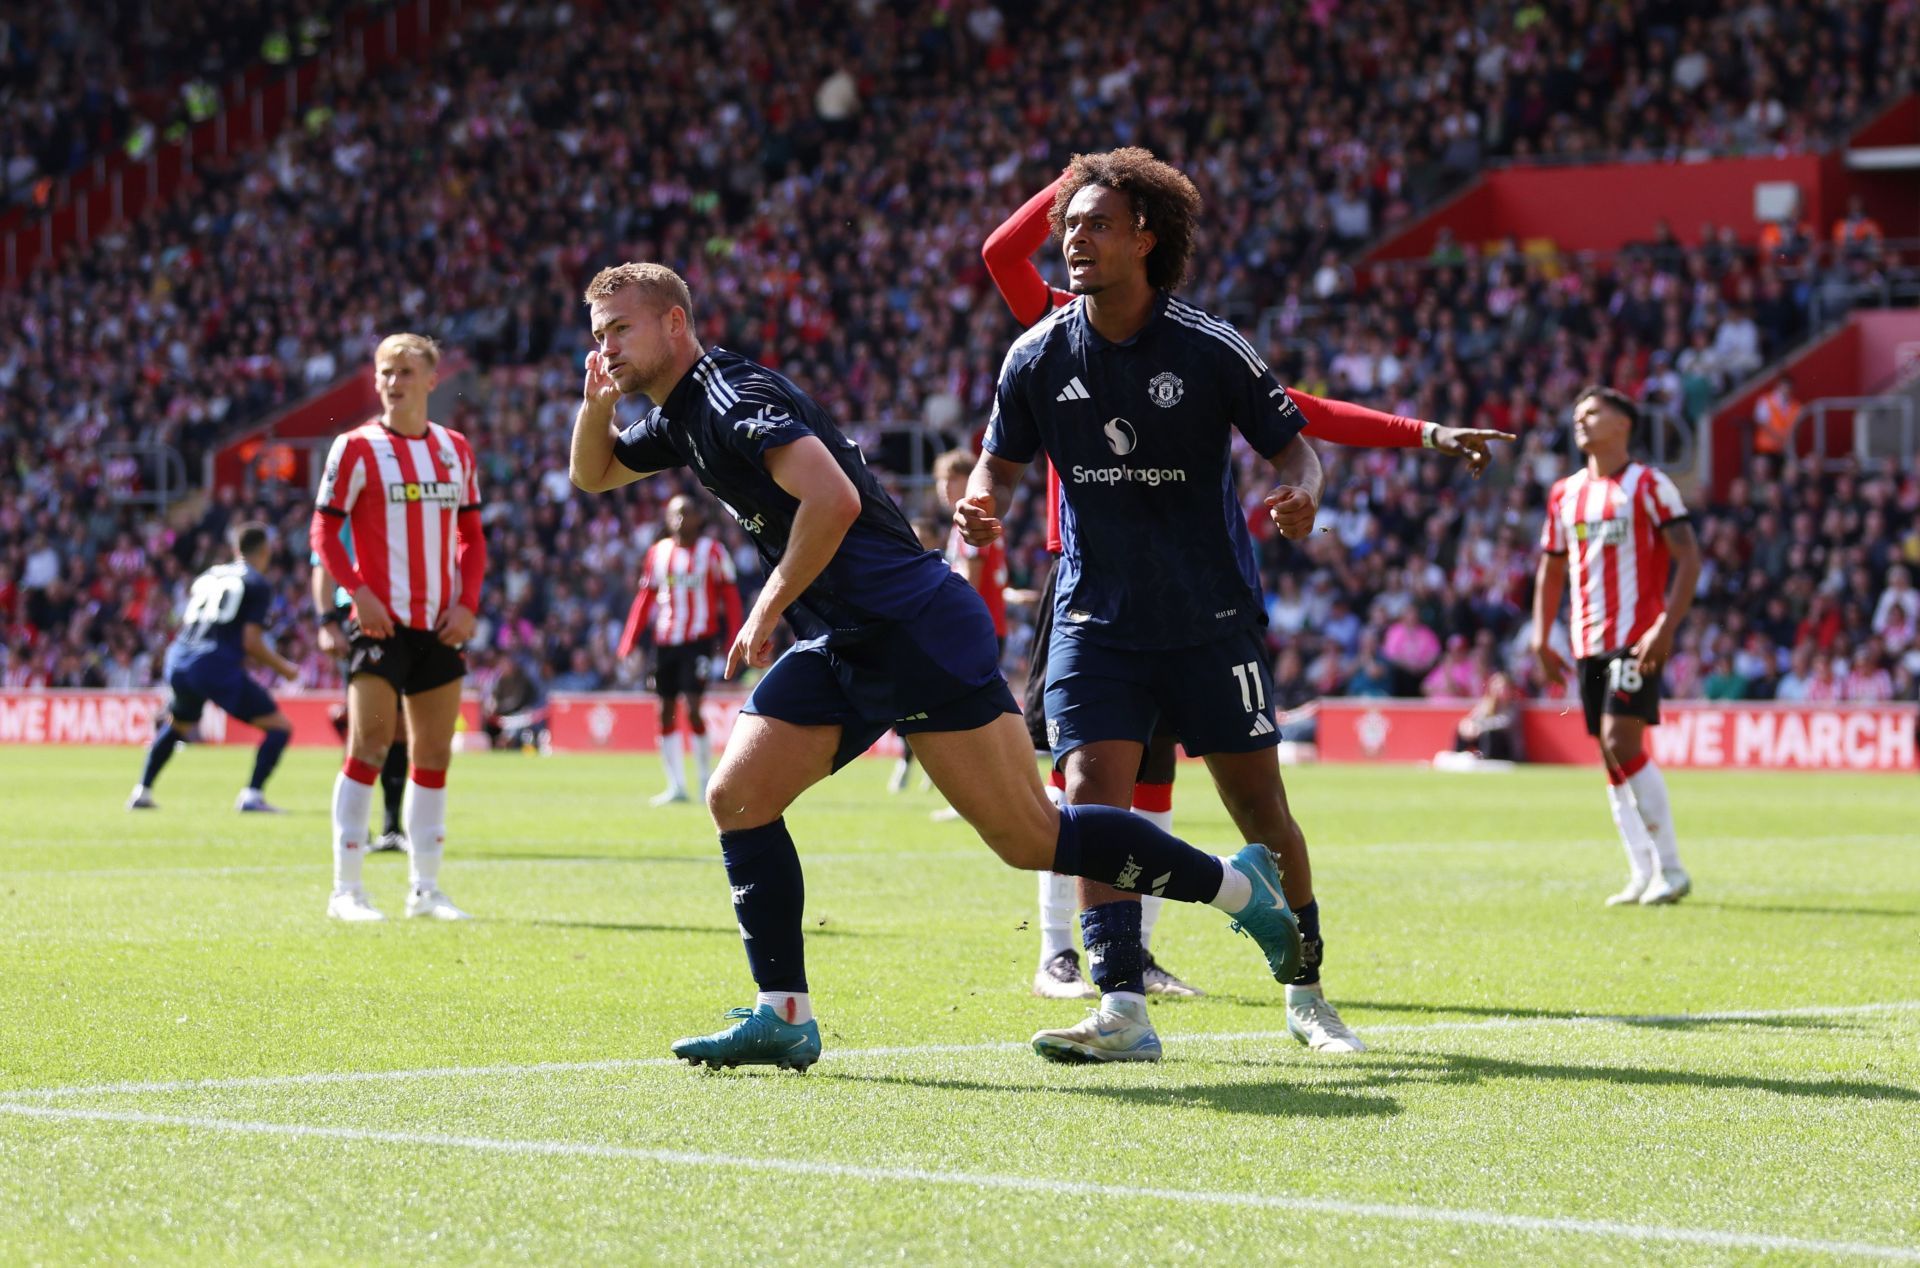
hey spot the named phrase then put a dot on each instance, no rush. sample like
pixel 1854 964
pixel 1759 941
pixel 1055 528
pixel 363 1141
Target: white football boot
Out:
pixel 252 801
pixel 1636 886
pixel 1670 886
pixel 1314 1021
pixel 1059 978
pixel 434 904
pixel 352 905
pixel 1116 1031
pixel 141 799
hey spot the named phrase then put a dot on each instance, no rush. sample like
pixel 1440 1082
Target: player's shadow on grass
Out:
pixel 1793 909
pixel 642 859
pixel 1456 1068
pixel 731 931
pixel 1652 1021
pixel 1273 1098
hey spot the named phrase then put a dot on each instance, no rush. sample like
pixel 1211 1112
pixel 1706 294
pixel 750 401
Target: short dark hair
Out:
pixel 1164 202
pixel 249 537
pixel 1613 398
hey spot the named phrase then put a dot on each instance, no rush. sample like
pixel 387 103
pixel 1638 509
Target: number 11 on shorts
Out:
pixel 1253 692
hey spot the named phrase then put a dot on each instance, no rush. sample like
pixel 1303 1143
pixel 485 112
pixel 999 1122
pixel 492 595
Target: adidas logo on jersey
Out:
pixel 1262 725
pixel 1075 390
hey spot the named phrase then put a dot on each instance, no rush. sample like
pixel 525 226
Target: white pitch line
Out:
pixel 1722 1238
pixel 324 1077
pixel 861 856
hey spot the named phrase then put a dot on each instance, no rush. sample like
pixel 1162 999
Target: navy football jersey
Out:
pixel 1155 548
pixel 222 602
pixel 721 419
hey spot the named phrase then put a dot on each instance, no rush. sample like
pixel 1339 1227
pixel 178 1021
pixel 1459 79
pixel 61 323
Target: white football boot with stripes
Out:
pixel 1314 1021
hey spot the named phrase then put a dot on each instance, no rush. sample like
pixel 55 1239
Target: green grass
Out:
pixel 1465 933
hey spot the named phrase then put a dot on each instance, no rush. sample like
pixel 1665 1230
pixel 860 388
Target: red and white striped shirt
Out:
pixel 1609 527
pixel 401 496
pixel 689 590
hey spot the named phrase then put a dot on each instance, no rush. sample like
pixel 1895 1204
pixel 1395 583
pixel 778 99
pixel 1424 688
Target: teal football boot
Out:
pixel 757 1037
pixel 1267 919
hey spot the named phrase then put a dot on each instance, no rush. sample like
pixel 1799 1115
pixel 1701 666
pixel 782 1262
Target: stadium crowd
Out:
pixel 77 83
pixel 828 213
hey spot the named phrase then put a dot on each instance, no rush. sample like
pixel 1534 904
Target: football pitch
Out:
pixel 197 1067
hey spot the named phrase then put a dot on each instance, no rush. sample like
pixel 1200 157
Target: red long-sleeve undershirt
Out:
pixel 470 557
pixel 1008 253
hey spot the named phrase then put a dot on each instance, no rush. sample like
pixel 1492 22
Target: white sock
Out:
pixel 1131 1001
pixel 1650 792
pixel 1149 905
pixel 1161 819
pixel 673 756
pixel 1236 891
pixel 1059 901
pixel 793 1007
pixel 1633 831
pixel 703 759
pixel 425 814
pixel 352 802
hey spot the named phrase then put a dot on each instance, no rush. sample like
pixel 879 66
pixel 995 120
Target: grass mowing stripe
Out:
pixel 1723 1238
pixel 847 1054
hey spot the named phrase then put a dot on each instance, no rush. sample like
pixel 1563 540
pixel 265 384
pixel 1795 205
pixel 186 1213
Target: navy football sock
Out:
pixel 158 752
pixel 272 744
pixel 768 895
pixel 393 783
pixel 1314 950
pixel 1106 843
pixel 1111 933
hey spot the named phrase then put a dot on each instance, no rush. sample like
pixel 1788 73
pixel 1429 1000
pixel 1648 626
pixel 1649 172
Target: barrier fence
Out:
pixel 1751 735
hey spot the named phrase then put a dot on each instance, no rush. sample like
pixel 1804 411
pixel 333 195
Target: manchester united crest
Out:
pixel 1166 390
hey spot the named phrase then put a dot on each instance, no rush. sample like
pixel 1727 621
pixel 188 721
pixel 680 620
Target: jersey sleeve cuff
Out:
pixel 1000 451
pixel 334 511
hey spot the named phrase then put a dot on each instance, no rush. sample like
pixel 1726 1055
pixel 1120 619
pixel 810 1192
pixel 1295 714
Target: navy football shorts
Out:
pixel 1217 697
pixel 938 671
pixel 220 680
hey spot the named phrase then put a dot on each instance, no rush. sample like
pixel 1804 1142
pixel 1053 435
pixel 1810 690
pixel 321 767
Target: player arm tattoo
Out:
pixel 1685 548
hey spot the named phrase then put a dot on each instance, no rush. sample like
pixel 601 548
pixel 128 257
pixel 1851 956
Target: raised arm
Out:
pixel 593 463
pixel 1008 253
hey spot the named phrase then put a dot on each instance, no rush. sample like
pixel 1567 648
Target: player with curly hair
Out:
pixel 1132 395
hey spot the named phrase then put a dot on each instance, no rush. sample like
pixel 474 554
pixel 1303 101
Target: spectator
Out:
pixel 1456 677
pixel 1411 649
pixel 1725 682
pixel 1774 419
pixel 515 713
pixel 1491 729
